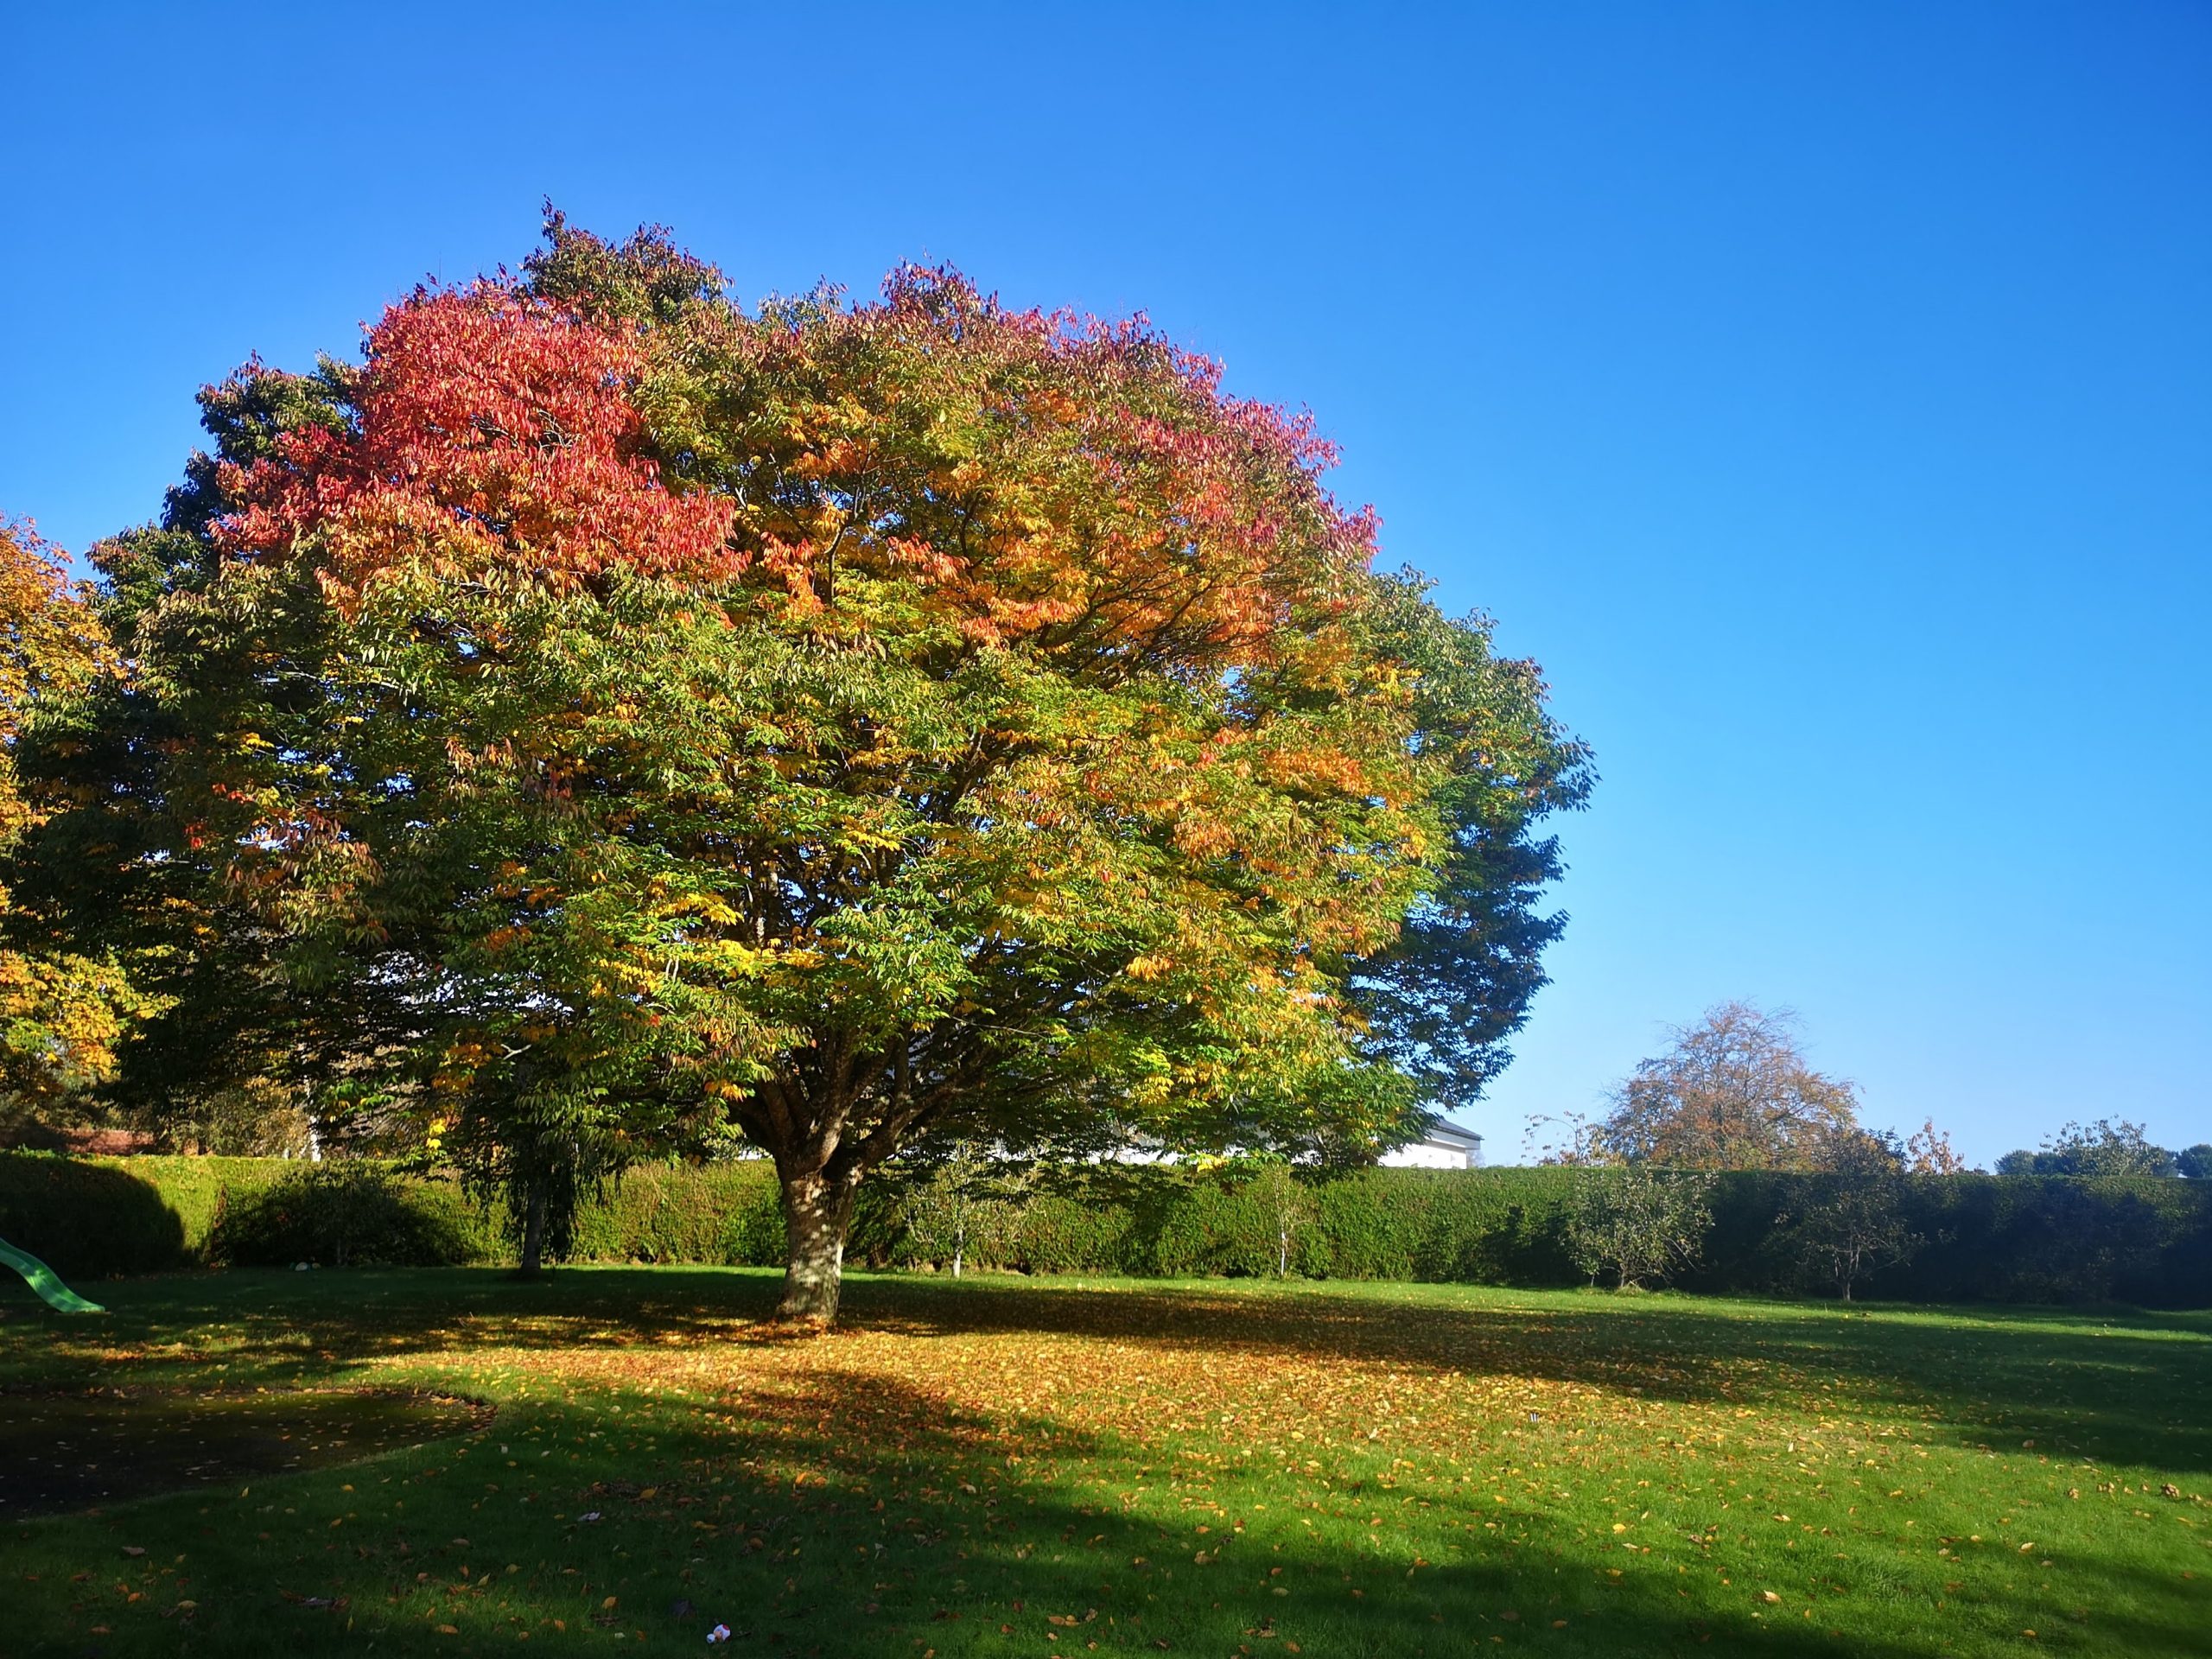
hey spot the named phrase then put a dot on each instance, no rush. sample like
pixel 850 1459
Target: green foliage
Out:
pixel 685 1212
pixel 1442 1000
pixel 1638 1224
pixel 1849 1220
pixel 96 1217
pixel 2044 1238
pixel 110 1216
pixel 1985 1238
pixel 1988 1238
pixel 2104 1147
pixel 87 1219
pixel 341 1215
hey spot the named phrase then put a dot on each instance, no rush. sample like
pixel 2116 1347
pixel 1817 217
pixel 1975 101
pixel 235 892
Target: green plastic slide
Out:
pixel 42 1278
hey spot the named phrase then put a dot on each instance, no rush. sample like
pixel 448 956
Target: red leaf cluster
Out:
pixel 489 433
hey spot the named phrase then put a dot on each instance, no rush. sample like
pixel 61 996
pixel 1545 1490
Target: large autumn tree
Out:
pixel 835 724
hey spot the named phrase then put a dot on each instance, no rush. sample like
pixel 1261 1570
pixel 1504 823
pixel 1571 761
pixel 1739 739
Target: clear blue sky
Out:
pixel 1821 392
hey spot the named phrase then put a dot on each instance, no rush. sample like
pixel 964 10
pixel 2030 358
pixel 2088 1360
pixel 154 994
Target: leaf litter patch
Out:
pixel 64 1451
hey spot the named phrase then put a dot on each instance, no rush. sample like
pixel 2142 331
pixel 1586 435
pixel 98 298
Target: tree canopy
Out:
pixel 1733 1092
pixel 2104 1147
pixel 654 721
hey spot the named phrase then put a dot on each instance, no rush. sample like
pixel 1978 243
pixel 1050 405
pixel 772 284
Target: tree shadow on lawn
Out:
pixel 843 1514
pixel 2119 1386
pixel 64 1451
pixel 2113 1386
pixel 2102 1383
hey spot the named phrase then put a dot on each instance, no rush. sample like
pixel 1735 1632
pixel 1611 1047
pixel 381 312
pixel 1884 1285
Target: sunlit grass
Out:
pixel 1010 1466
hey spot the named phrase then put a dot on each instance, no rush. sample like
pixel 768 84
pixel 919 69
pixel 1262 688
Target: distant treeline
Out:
pixel 1986 1237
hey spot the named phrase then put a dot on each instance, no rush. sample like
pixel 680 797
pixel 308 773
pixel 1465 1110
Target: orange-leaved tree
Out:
pixel 1734 1093
pixel 835 725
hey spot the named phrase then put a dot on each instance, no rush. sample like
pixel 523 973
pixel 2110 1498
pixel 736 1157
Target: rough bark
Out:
pixel 848 1109
pixel 817 1212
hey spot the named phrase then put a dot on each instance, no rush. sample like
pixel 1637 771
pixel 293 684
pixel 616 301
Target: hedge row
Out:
pixel 2019 1238
pixel 1985 1238
pixel 101 1217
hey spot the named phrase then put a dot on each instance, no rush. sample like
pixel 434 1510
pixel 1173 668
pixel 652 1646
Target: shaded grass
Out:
pixel 1010 1466
pixel 62 1452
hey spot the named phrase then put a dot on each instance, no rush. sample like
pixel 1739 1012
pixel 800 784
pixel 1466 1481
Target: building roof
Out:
pixel 1441 1129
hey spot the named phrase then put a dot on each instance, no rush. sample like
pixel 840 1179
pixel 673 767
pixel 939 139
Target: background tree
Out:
pixel 1929 1152
pixel 1734 1093
pixel 1640 1224
pixel 970 1197
pixel 1282 1193
pixel 1572 1139
pixel 1849 1220
pixel 2104 1147
pixel 67 1012
pixel 847 723
pixel 238 1054
pixel 2195 1163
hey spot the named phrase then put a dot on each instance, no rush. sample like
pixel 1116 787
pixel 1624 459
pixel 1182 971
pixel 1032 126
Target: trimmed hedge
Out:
pixel 349 1215
pixel 1999 1238
pixel 96 1217
pixel 99 1218
pixel 2020 1238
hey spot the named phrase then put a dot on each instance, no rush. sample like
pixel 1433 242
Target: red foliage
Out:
pixel 489 433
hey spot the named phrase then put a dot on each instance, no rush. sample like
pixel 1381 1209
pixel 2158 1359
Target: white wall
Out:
pixel 1424 1154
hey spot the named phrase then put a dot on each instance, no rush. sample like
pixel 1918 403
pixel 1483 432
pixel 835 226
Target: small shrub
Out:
pixel 1849 1229
pixel 1639 1224
pixel 965 1207
pixel 1849 1221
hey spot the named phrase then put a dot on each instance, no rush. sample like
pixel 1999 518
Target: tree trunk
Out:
pixel 533 1233
pixel 817 1212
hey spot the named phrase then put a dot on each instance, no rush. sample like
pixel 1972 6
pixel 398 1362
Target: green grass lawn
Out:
pixel 1005 1467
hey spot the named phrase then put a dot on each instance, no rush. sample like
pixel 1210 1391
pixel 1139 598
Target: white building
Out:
pixel 1446 1146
